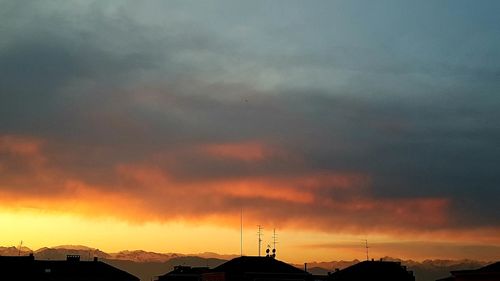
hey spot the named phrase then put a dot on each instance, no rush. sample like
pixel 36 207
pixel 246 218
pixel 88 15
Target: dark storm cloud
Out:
pixel 103 88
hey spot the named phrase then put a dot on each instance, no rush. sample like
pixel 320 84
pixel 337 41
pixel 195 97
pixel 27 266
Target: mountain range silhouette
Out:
pixel 147 265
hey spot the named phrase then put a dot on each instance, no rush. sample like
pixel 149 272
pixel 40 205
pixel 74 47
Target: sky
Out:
pixel 158 125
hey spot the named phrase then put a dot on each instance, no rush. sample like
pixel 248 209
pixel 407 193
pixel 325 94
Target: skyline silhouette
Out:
pixel 69 263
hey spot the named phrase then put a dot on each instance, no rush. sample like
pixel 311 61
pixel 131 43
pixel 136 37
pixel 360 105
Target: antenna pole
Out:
pixel 20 247
pixel 274 238
pixel 241 232
pixel 260 236
pixel 366 246
pixel 274 243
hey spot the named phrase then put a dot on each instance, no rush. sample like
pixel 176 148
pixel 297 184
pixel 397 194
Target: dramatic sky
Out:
pixel 151 125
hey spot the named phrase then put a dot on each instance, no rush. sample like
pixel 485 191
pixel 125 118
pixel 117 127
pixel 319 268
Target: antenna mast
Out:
pixel 366 246
pixel 20 247
pixel 260 236
pixel 241 232
pixel 274 242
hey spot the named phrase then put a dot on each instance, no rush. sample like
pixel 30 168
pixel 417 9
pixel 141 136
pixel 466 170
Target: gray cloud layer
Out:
pixel 405 95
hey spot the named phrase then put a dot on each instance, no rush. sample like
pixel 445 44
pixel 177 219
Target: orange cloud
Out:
pixel 22 148
pixel 147 176
pixel 258 188
pixel 344 180
pixel 145 190
pixel 19 145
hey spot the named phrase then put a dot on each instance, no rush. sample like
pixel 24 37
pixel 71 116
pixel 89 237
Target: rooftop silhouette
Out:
pixel 26 268
pixel 240 268
pixel 487 273
pixel 373 270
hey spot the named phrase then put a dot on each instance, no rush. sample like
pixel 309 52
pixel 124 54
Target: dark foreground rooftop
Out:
pixel 257 264
pixel 240 269
pixel 26 268
pixel 488 273
pixel 373 270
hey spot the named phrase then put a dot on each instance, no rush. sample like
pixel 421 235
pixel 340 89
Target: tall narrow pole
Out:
pixel 274 243
pixel 241 232
pixel 274 238
pixel 260 236
pixel 366 246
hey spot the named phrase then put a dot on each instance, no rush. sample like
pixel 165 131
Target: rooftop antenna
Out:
pixel 20 247
pixel 260 236
pixel 241 232
pixel 275 237
pixel 366 247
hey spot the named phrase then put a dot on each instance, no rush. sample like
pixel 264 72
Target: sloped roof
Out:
pixel 26 268
pixel 494 267
pixel 374 270
pixel 257 264
pixel 491 268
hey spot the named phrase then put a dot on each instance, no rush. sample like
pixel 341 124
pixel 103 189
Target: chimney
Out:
pixel 95 259
pixel 305 266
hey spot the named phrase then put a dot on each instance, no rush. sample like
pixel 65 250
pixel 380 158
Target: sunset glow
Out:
pixel 160 125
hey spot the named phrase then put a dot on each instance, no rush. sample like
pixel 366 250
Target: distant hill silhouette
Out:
pixel 210 255
pixel 74 247
pixel 328 266
pixel 59 253
pixel 143 256
pixel 147 270
pixel 430 270
pixel 14 251
pixel 87 253
pixel 146 264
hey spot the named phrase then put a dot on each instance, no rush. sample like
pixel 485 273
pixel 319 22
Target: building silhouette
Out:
pixel 26 268
pixel 184 273
pixel 245 268
pixel 373 270
pixel 488 273
pixel 255 268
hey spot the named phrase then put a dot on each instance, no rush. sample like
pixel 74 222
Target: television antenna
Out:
pixel 260 234
pixel 275 237
pixel 241 232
